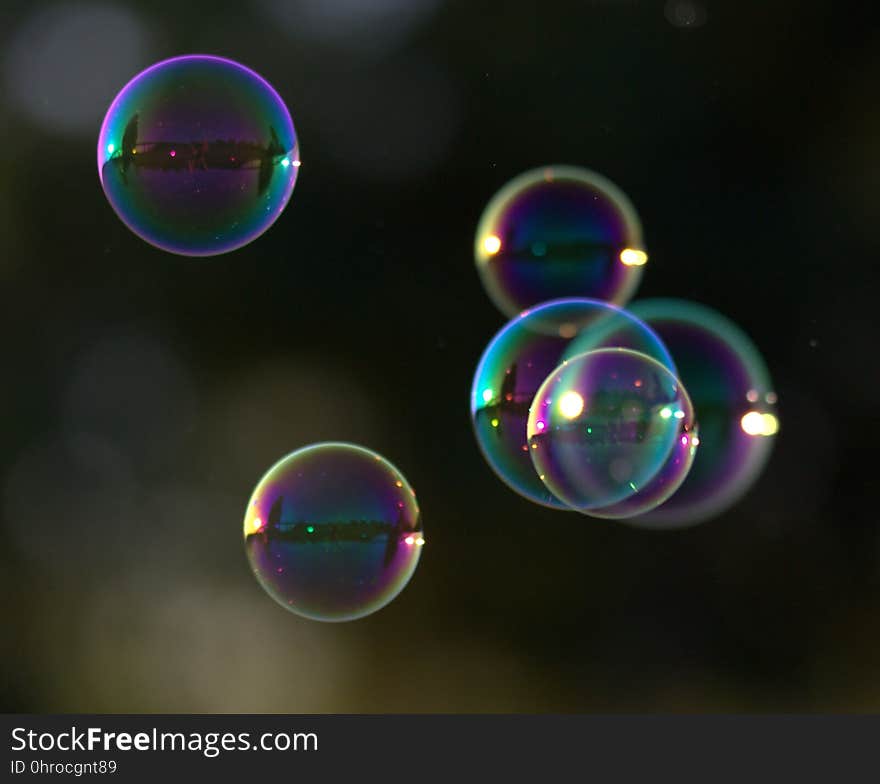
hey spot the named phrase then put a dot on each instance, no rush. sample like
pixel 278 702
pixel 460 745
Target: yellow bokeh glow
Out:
pixel 492 244
pixel 632 257
pixel 571 404
pixel 754 423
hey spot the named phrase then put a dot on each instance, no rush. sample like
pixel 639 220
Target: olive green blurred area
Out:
pixel 144 394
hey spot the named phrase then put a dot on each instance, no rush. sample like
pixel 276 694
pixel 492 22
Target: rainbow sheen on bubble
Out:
pixel 735 403
pixel 333 532
pixel 516 362
pixel 603 424
pixel 663 485
pixel 198 155
pixel 559 231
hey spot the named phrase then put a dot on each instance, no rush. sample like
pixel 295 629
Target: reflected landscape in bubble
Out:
pixel 198 155
pixel 333 532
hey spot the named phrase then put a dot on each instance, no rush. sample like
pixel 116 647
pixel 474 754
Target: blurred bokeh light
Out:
pixel 65 62
pixel 356 27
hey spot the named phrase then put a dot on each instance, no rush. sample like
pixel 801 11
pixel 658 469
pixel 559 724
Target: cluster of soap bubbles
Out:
pixel 662 414
pixel 198 156
pixel 576 403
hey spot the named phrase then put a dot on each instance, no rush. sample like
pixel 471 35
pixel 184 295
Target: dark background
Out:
pixel 144 394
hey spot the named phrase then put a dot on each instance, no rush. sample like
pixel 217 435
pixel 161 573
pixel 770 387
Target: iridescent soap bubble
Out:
pixel 198 155
pixel 515 364
pixel 333 532
pixel 603 424
pixel 559 231
pixel 735 403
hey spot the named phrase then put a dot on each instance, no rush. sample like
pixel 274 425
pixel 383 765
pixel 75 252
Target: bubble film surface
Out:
pixel 559 231
pixel 664 484
pixel 735 404
pixel 515 364
pixel 603 424
pixel 198 155
pixel 333 532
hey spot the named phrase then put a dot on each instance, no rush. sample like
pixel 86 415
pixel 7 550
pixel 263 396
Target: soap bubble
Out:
pixel 735 403
pixel 198 155
pixel 515 364
pixel 333 532
pixel 559 231
pixel 603 424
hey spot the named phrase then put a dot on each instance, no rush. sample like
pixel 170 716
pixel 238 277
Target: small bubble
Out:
pixel 334 523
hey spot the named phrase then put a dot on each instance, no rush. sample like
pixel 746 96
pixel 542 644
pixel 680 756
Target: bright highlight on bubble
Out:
pixel 558 231
pixel 633 258
pixel 754 423
pixel 333 532
pixel 491 244
pixel 198 155
pixel 570 405
pixel 515 364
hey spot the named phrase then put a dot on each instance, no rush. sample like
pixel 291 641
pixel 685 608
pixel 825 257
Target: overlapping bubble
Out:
pixel 198 155
pixel 333 532
pixel 611 426
pixel 518 360
pixel 735 404
pixel 559 231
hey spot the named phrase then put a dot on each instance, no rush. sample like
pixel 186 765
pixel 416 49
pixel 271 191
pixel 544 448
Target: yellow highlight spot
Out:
pixel 571 404
pixel 754 423
pixel 420 541
pixel 399 483
pixel 633 258
pixel 771 425
pixel 255 527
pixel 494 423
pixel 492 244
pixel 133 151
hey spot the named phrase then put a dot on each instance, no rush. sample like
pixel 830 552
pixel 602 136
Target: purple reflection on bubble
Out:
pixel 195 155
pixel 333 532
